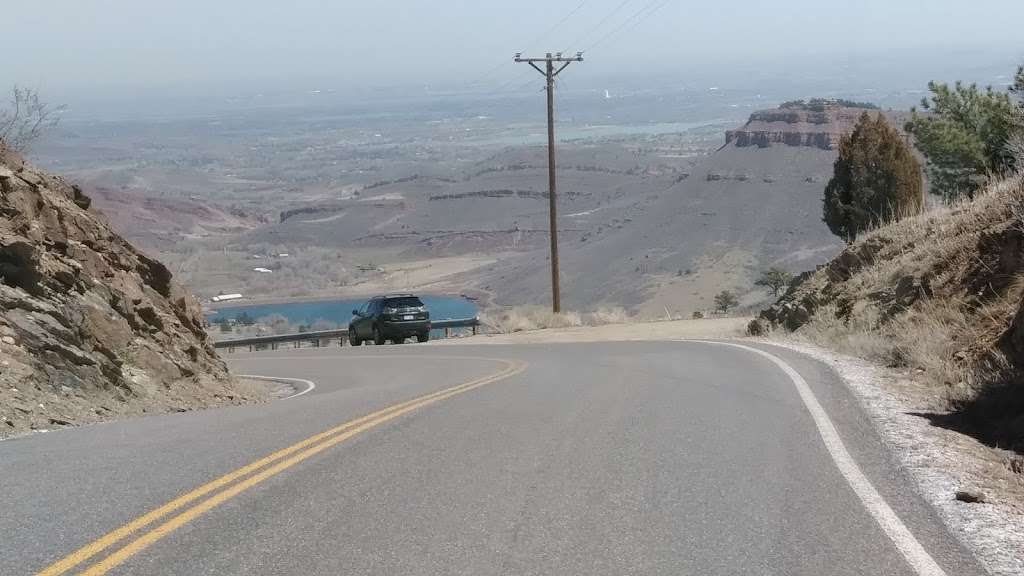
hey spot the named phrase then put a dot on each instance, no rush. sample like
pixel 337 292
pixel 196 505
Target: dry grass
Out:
pixel 527 318
pixel 965 274
pixel 607 315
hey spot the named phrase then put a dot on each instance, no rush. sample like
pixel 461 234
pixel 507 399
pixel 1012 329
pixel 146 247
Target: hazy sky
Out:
pixel 96 46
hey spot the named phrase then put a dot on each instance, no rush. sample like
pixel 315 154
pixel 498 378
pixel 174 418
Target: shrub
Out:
pixel 876 180
pixel 757 327
pixel 725 300
pixel 525 318
pixel 25 119
pixel 607 315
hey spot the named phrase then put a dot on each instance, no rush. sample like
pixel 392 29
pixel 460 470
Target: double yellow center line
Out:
pixel 191 505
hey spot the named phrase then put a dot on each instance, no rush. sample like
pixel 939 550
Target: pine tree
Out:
pixel 876 180
pixel 963 135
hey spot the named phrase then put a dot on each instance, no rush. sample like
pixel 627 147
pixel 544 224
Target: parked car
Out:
pixel 395 318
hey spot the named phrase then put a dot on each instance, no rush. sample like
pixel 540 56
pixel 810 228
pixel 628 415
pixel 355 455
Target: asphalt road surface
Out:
pixel 600 458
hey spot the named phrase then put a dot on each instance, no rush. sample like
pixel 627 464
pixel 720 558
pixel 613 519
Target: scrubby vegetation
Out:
pixel 819 104
pixel 526 318
pixel 939 295
pixel 876 180
pixel 25 118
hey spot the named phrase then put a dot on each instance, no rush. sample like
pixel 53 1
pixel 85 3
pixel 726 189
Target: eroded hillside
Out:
pixel 938 295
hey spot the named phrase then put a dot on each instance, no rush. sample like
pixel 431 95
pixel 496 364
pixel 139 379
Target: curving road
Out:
pixel 599 458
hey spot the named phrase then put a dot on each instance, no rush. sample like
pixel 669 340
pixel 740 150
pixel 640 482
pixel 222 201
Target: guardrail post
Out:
pixel 474 329
pixel 447 332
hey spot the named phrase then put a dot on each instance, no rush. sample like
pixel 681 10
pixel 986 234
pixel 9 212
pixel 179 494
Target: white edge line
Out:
pixel 912 550
pixel 309 383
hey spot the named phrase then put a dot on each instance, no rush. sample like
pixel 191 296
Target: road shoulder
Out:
pixel 939 462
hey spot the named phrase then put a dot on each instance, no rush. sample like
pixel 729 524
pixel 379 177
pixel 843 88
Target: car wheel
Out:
pixel 352 338
pixel 378 337
pixel 423 337
pixel 398 340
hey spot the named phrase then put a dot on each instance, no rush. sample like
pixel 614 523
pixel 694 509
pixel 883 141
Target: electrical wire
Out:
pixel 579 40
pixel 532 44
pixel 630 23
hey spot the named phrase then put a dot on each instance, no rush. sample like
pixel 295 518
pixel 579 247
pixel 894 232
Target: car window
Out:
pixel 403 302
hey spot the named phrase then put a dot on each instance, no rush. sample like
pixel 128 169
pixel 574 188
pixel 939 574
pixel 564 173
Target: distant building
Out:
pixel 226 297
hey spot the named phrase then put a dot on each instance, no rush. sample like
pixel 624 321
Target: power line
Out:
pixel 593 29
pixel 490 72
pixel 555 26
pixel 632 21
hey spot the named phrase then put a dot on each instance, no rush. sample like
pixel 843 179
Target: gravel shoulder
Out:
pixel 940 461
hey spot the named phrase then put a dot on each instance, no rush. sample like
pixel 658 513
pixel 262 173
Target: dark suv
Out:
pixel 394 318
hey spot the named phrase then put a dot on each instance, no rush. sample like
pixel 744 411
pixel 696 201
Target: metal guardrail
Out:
pixel 324 338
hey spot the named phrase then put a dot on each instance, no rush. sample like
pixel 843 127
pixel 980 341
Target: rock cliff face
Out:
pixel 818 125
pixel 90 328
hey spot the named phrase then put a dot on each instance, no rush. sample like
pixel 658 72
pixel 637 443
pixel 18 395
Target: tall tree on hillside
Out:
pixel 876 179
pixel 774 279
pixel 725 300
pixel 964 134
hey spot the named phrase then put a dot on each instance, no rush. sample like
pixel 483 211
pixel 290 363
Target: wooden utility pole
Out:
pixel 549 72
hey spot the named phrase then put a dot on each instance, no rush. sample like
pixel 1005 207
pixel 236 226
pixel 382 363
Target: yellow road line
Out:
pixel 339 433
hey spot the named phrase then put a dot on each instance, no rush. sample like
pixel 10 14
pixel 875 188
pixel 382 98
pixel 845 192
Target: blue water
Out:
pixel 340 311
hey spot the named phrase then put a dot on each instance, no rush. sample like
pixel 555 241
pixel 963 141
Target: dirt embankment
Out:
pixel 91 328
pixel 939 296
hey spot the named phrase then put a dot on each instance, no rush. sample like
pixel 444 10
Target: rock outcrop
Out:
pixel 90 328
pixel 818 124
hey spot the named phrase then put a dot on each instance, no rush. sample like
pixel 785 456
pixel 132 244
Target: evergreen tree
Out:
pixel 725 300
pixel 876 179
pixel 775 279
pixel 964 135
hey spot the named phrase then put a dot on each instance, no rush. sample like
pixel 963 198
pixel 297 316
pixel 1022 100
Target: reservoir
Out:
pixel 339 311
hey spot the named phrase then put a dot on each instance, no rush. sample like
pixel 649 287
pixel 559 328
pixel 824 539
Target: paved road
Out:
pixel 600 458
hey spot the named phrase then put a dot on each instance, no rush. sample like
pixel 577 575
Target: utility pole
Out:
pixel 549 72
